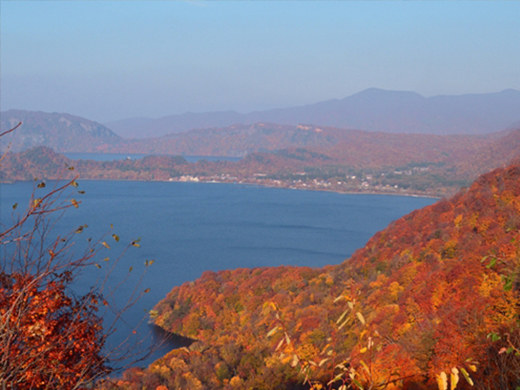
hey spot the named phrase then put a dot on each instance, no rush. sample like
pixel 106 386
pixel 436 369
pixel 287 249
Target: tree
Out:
pixel 51 337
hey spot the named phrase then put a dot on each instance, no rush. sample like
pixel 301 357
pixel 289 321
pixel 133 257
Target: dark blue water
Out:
pixel 136 156
pixel 188 228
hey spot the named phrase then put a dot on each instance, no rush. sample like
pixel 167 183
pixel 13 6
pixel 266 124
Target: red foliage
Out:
pixel 423 295
pixel 49 339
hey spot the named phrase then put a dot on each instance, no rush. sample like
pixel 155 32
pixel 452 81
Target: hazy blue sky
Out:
pixel 116 59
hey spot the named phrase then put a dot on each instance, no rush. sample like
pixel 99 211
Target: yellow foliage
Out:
pixel 450 249
pixel 236 381
pixel 507 197
pixel 381 279
pixel 505 304
pixel 270 361
pixel 457 220
pixel 412 309
pixel 442 381
pixel 285 359
pixel 160 369
pixel 505 308
pixel 489 282
pixel 404 329
pixel 438 294
pixel 408 274
pixel 472 220
pixel 329 281
pixel 192 382
pixel 307 352
pixel 395 289
pixel 322 279
pixel 406 255
pixel 454 378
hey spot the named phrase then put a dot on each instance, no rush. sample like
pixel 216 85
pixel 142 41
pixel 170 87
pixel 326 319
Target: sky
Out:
pixel 109 60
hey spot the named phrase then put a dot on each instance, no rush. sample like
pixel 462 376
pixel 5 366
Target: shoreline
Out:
pixel 265 185
pixel 407 194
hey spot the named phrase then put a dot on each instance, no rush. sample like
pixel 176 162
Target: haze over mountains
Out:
pixel 389 122
pixel 61 132
pixel 372 110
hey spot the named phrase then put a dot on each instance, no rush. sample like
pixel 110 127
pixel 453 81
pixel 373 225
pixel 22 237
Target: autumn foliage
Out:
pixel 51 336
pixel 430 302
pixel 295 155
pixel 48 339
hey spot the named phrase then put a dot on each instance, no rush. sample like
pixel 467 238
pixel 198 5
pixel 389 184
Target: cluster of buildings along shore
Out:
pixel 343 186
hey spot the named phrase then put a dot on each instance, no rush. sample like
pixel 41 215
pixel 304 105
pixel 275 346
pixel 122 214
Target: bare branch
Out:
pixel 10 130
pixel 51 338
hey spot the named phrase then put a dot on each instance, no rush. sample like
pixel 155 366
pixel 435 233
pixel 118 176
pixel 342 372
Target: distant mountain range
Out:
pixel 375 112
pixel 61 132
pixel 356 147
pixel 371 110
pixel 288 156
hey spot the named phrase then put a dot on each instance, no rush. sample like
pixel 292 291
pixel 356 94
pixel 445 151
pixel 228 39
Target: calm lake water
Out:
pixel 135 156
pixel 188 228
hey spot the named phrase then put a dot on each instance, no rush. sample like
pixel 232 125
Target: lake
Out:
pixel 188 228
pixel 136 156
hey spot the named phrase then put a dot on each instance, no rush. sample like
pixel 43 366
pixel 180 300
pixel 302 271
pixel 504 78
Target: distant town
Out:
pixel 366 184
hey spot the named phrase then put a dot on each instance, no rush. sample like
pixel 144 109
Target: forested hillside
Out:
pixel 431 299
pixel 340 160
pixel 240 140
pixel 59 131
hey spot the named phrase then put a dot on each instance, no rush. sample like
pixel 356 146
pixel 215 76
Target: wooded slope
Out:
pixel 421 298
pixel 59 131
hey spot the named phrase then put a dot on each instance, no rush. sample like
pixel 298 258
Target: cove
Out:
pixel 189 228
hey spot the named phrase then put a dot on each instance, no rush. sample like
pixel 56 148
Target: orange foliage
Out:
pixel 419 299
pixel 48 340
